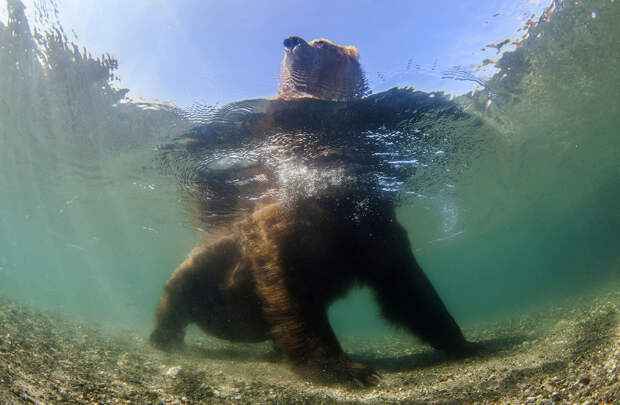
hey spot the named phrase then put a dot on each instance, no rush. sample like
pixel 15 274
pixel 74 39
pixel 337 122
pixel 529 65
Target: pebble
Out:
pixel 172 371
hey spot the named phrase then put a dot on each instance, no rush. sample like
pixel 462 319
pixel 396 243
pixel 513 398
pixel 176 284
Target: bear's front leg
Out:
pixel 171 321
pixel 309 343
pixel 192 290
pixel 301 330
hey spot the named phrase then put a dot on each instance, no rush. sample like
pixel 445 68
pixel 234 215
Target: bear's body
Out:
pixel 273 273
pixel 276 273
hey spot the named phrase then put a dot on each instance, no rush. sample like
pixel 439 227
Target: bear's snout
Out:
pixel 292 42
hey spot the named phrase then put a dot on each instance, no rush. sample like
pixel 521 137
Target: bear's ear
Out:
pixel 351 51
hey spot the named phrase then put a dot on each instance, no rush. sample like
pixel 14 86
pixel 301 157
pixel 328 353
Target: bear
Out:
pixel 272 272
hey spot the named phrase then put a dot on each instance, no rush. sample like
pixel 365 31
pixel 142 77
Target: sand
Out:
pixel 568 352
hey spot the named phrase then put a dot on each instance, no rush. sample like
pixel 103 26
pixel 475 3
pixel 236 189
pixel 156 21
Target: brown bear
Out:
pixel 273 273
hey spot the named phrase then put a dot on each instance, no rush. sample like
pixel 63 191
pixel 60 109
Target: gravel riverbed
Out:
pixel 568 352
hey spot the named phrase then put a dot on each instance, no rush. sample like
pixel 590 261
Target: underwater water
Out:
pixel 522 210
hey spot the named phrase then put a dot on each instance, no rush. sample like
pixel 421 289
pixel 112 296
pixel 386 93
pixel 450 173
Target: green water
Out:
pixel 89 225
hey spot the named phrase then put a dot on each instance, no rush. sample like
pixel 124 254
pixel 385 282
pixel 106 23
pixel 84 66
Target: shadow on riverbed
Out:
pixel 428 358
pixel 233 354
pixel 433 358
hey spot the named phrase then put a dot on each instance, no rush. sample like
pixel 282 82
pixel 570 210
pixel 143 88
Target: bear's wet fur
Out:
pixel 273 274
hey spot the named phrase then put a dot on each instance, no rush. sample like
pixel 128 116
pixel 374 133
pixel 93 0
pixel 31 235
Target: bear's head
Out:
pixel 321 69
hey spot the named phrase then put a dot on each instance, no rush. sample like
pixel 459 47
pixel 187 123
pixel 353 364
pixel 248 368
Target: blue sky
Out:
pixel 210 52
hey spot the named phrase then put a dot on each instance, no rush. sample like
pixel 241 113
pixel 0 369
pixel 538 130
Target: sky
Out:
pixel 213 52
